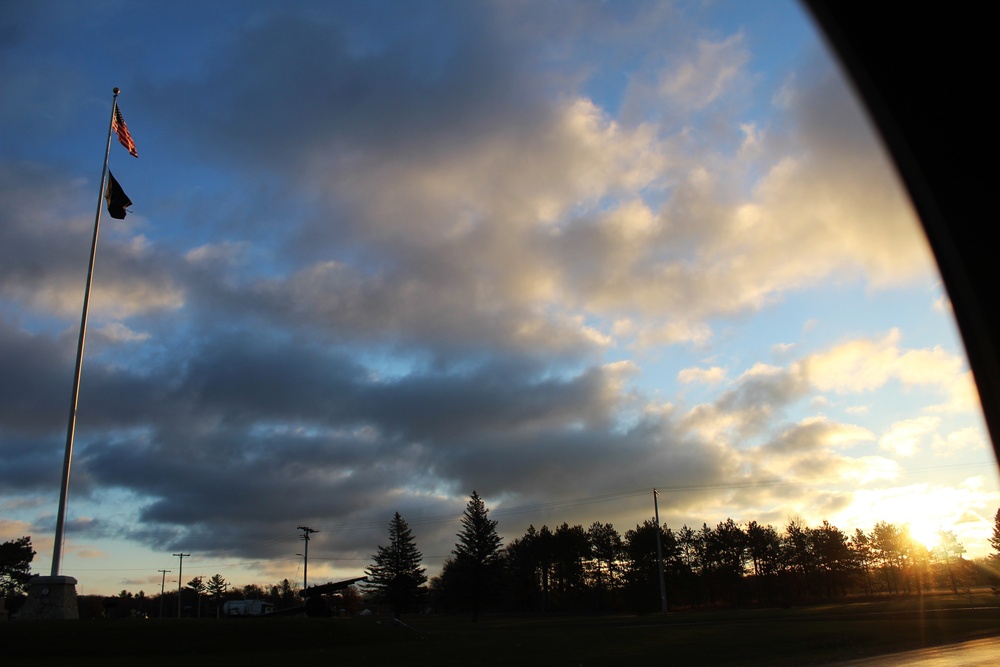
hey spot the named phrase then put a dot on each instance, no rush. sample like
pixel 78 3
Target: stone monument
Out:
pixel 50 597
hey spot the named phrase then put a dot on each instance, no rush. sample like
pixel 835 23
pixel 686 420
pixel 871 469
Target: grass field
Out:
pixel 805 635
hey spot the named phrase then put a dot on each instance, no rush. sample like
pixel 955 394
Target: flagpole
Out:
pixel 75 399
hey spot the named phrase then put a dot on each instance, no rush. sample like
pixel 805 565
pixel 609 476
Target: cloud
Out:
pixel 117 332
pixel 963 439
pixel 759 398
pixel 710 73
pixel 45 253
pixel 13 529
pixel 381 263
pixel 866 364
pixel 711 376
pixel 812 451
pixel 904 438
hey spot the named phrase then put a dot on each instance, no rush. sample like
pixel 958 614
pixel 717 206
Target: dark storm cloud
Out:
pixel 293 425
pixel 292 85
pixel 36 380
pixel 587 460
pixel 29 464
pixel 437 311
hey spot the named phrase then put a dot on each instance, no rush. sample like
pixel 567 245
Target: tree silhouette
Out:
pixel 832 556
pixel 570 550
pixel 642 577
pixel 764 552
pixel 216 587
pixel 198 586
pixel 395 574
pixel 889 545
pixel 995 539
pixel 863 557
pixel 608 551
pixel 15 566
pixel 471 577
pixel 950 551
pixel 253 592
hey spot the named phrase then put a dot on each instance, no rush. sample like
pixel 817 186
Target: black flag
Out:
pixel 118 201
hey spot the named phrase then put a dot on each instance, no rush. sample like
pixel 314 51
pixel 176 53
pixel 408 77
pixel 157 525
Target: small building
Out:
pixel 247 608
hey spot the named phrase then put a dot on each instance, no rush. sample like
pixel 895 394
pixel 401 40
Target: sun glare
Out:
pixel 923 509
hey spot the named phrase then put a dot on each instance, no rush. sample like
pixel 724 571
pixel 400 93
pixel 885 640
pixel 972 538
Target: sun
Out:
pixel 926 532
pixel 925 510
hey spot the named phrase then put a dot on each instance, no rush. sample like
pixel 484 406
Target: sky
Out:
pixel 383 254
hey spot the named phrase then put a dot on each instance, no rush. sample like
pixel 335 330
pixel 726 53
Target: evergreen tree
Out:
pixel 995 539
pixel 642 574
pixel 395 574
pixel 216 587
pixel 198 586
pixel 608 550
pixel 471 577
pixel 15 566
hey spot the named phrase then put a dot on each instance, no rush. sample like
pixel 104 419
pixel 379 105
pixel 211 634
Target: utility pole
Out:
pixel 163 582
pixel 180 578
pixel 659 554
pixel 306 532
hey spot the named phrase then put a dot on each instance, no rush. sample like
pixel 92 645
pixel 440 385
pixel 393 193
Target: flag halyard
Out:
pixel 124 136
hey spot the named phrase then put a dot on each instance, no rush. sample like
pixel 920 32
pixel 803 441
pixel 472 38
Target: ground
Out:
pixel 809 635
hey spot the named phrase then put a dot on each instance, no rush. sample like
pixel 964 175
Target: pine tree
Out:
pixel 198 586
pixel 995 539
pixel 475 570
pixel 395 575
pixel 216 587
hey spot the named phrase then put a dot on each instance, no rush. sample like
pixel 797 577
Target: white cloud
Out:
pixel 712 71
pixel 782 348
pixel 229 252
pixel 904 438
pixel 867 364
pixel 119 333
pixel 710 376
pixel 963 439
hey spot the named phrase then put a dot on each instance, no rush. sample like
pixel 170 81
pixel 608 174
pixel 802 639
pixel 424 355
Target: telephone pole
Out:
pixel 306 532
pixel 180 578
pixel 659 554
pixel 163 582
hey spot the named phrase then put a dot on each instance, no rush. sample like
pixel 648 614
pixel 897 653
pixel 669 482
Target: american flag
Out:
pixel 124 136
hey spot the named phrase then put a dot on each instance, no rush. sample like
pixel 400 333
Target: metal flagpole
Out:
pixel 71 428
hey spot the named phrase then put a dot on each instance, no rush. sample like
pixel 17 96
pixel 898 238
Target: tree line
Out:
pixel 200 598
pixel 573 569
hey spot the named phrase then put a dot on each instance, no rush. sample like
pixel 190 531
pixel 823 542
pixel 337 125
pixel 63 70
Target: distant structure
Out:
pixel 315 604
pixel 247 608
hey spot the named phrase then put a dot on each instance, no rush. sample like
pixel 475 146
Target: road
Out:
pixel 980 652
